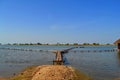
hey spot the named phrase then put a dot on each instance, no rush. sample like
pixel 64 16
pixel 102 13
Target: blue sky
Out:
pixel 64 21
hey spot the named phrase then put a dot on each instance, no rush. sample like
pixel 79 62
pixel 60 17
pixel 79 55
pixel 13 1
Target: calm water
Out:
pixel 98 65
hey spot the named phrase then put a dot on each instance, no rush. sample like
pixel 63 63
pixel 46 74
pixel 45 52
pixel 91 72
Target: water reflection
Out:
pixel 66 62
pixel 118 55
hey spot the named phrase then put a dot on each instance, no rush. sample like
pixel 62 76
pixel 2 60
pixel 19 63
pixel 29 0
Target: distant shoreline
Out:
pixel 59 45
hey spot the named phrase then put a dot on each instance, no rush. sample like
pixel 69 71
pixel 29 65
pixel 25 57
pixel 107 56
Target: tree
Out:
pixel 21 44
pixel 86 44
pixel 26 44
pixel 67 44
pixel 95 43
pixel 39 44
pixel 75 44
pixel 47 44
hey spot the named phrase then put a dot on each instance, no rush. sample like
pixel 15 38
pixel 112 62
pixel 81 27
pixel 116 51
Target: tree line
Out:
pixel 59 44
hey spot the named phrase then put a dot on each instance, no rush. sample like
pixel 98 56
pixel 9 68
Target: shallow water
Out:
pixel 99 64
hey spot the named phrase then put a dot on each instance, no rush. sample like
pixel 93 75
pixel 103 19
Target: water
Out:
pixel 99 65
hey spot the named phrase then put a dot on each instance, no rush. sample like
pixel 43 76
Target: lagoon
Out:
pixel 103 65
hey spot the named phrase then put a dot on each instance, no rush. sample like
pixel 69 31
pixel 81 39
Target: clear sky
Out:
pixel 64 21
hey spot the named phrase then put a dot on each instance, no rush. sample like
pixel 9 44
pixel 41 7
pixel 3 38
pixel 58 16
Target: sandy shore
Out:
pixel 50 72
pixel 2 79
